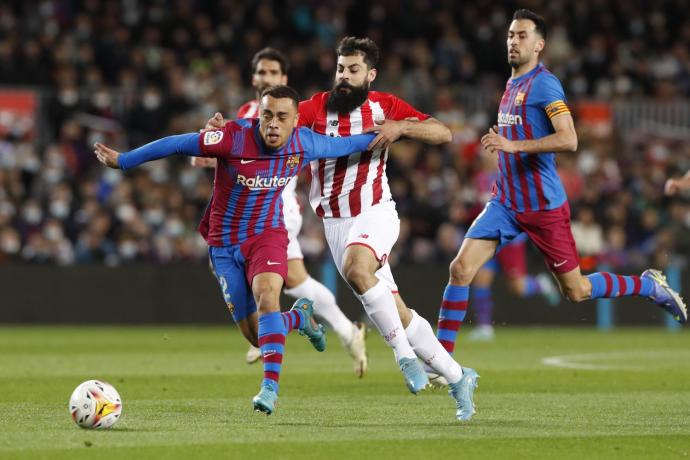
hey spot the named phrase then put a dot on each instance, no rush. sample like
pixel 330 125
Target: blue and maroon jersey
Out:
pixel 250 177
pixel 529 182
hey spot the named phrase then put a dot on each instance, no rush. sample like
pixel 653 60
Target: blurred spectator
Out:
pixel 130 72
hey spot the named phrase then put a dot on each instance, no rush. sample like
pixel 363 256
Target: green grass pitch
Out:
pixel 187 394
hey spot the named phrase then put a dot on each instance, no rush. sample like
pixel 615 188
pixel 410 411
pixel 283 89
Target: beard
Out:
pixel 346 101
pixel 517 61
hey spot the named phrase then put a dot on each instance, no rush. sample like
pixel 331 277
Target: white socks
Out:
pixel 379 304
pixel 325 307
pixel 427 348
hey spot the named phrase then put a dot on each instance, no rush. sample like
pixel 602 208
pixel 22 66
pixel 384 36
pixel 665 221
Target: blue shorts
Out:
pixel 495 222
pixel 229 267
pixel 548 230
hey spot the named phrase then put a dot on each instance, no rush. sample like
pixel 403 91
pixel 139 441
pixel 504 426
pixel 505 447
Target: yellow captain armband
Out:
pixel 556 108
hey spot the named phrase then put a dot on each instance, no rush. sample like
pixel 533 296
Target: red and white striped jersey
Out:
pixel 346 186
pixel 249 109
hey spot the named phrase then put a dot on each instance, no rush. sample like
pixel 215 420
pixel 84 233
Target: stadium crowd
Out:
pixel 131 71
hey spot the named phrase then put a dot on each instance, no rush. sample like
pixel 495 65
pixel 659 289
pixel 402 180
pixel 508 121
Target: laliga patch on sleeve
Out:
pixel 213 137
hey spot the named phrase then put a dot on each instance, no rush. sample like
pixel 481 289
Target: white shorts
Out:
pixel 377 228
pixel 293 221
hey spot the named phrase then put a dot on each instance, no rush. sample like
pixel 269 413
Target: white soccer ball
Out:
pixel 95 404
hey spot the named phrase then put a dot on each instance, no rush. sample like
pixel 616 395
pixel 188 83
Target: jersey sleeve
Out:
pixel 185 144
pixel 307 113
pixel 318 146
pixel 217 143
pixel 549 95
pixel 399 110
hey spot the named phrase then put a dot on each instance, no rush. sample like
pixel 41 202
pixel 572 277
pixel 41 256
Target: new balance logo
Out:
pixel 363 235
pixel 333 123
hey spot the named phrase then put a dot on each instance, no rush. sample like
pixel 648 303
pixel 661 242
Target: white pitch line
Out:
pixel 564 361
pixel 575 361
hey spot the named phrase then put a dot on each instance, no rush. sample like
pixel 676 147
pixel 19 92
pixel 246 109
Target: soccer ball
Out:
pixel 95 404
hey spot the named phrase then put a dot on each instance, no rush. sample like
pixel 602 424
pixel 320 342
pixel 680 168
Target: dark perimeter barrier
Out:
pixel 147 294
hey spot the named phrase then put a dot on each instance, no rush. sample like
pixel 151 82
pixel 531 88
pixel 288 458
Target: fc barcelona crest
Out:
pixel 520 98
pixel 293 161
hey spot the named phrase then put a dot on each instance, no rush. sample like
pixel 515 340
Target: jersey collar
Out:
pixel 512 81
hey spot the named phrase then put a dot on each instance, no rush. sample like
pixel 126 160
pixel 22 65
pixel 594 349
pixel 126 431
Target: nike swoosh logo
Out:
pixel 268 262
pixel 244 162
pixel 559 264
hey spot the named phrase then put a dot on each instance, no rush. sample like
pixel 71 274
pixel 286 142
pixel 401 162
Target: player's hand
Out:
pixel 494 141
pixel 215 122
pixel 106 155
pixel 671 187
pixel 203 162
pixel 388 131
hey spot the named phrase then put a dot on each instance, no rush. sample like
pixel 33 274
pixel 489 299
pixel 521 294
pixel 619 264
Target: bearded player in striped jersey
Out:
pixel 534 122
pixel 361 223
pixel 269 68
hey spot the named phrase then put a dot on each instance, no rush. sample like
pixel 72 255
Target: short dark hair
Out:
pixel 271 54
pixel 350 46
pixel 539 23
pixel 281 92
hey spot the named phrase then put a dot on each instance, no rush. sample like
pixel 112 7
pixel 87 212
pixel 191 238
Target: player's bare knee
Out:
pixel 266 297
pixel 460 274
pixel 359 277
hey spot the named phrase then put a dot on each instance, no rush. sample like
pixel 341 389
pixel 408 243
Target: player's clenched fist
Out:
pixel 215 122
pixel 106 155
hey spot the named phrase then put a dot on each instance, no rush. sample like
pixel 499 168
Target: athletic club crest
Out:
pixel 520 98
pixel 293 161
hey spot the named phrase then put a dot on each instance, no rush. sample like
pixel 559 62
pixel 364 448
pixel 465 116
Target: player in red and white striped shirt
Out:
pixel 354 199
pixel 269 68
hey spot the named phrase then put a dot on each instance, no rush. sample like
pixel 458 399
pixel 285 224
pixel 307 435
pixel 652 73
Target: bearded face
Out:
pixel 345 97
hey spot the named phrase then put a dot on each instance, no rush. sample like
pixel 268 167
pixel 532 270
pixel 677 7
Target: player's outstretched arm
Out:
pixel 673 186
pixel 320 146
pixel 186 144
pixel 215 122
pixel 564 139
pixel 429 131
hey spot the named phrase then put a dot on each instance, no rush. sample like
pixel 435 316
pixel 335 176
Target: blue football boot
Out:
pixel 463 393
pixel 665 297
pixel 265 401
pixel 415 377
pixel 316 334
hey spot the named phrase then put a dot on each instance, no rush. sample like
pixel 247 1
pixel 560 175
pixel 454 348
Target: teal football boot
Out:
pixel 415 377
pixel 463 393
pixel 265 401
pixel 316 334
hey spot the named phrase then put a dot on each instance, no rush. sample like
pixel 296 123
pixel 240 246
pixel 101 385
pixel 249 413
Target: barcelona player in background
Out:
pixel 534 122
